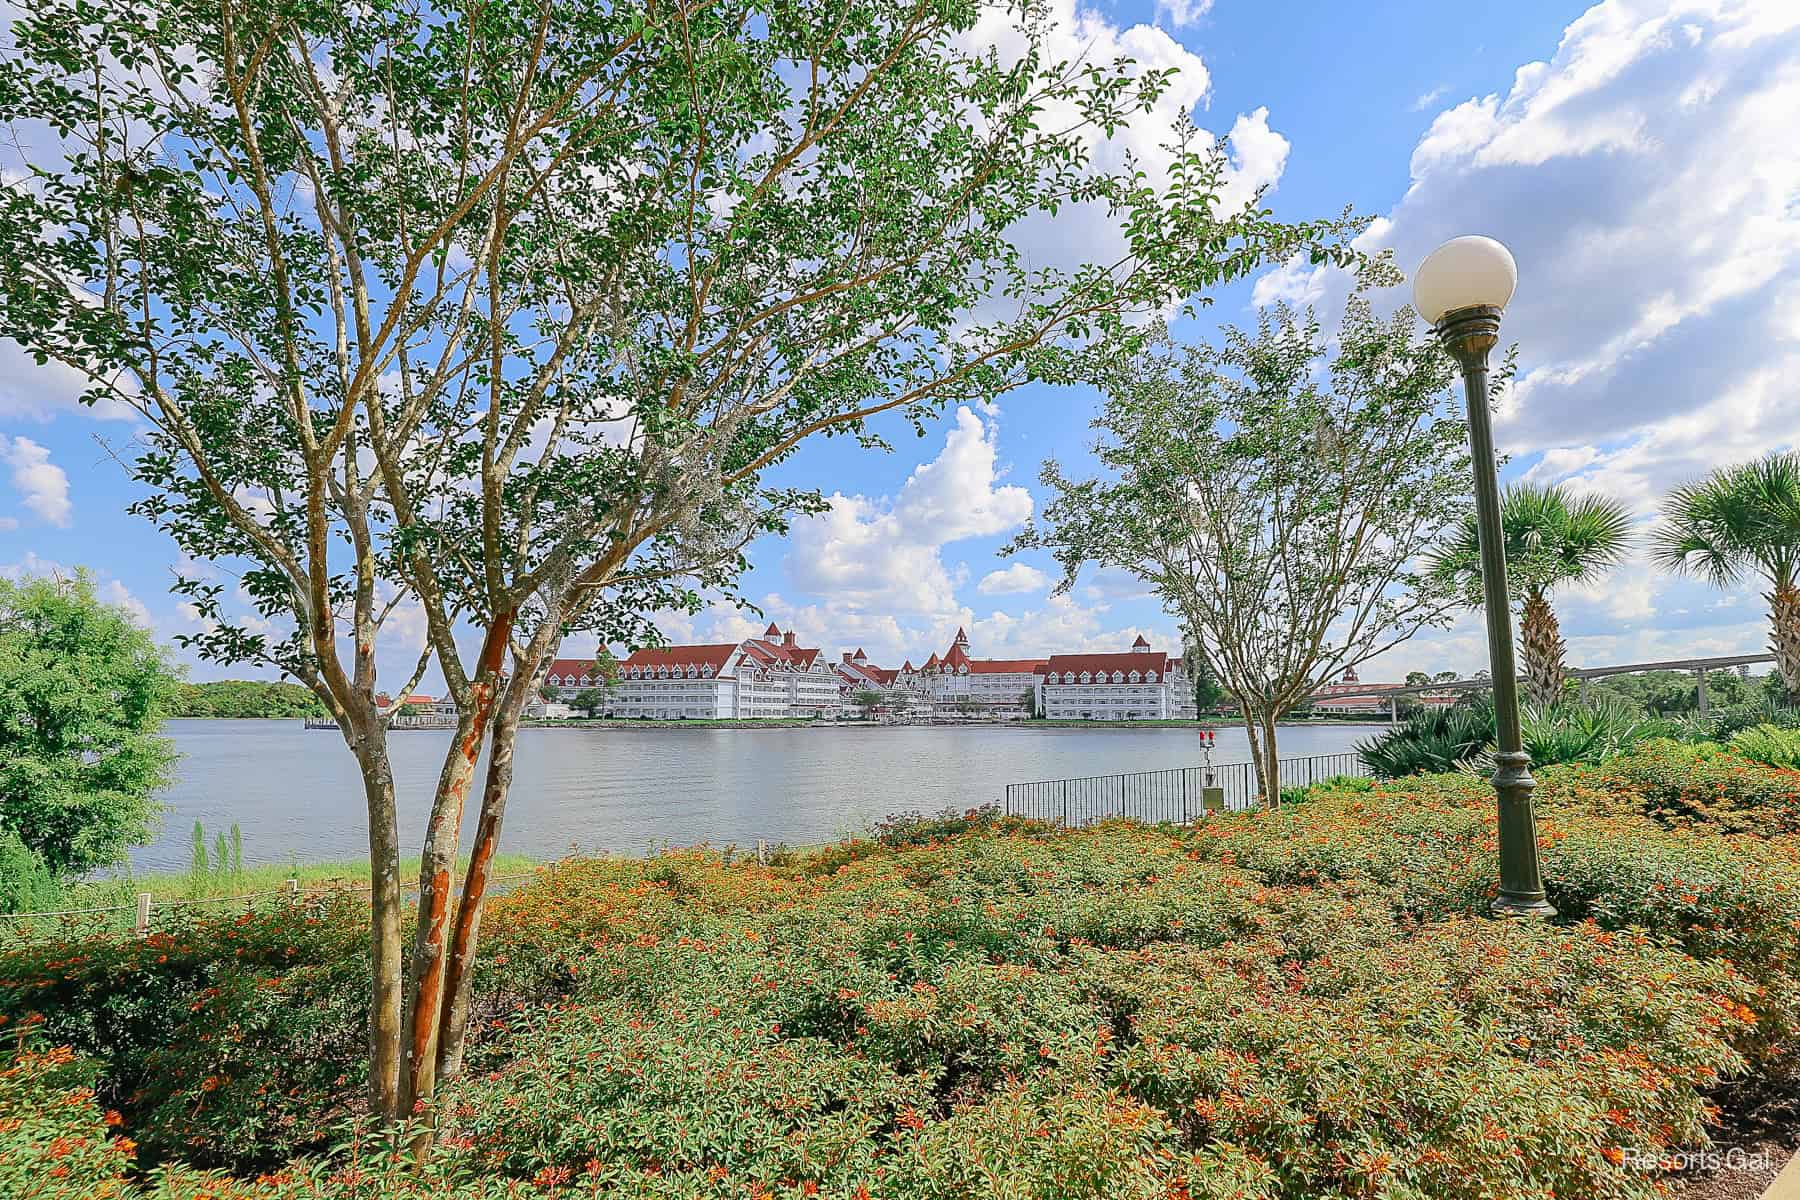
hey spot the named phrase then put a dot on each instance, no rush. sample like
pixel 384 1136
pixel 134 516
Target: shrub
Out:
pixel 904 829
pixel 224 1040
pixel 1769 744
pixel 26 884
pixel 1429 741
pixel 1682 787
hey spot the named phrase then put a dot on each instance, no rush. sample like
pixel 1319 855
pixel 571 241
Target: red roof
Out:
pixel 956 657
pixel 683 656
pixel 1128 661
pixel 1004 666
pixel 1141 642
pixel 772 631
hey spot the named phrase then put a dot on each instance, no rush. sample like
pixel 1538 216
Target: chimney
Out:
pixel 846 656
pixel 787 639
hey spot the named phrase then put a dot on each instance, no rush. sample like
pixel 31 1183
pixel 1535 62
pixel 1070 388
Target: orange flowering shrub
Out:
pixel 1305 1003
pixel 226 1040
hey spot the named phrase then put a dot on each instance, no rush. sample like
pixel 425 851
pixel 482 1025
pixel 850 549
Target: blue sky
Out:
pixel 1637 156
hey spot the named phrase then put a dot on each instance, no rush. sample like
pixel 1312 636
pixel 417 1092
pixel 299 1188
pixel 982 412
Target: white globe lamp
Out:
pixel 1464 272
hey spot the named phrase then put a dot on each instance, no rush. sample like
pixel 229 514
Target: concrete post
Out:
pixel 142 927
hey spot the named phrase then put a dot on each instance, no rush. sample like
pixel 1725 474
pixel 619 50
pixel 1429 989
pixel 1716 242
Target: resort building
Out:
pixel 1003 687
pixel 856 675
pixel 758 678
pixel 1139 685
pixel 1351 697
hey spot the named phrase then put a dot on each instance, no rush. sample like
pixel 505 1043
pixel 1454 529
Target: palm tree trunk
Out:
pixel 1541 646
pixel 1784 634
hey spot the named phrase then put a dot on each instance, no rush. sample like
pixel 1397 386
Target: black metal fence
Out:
pixel 1175 795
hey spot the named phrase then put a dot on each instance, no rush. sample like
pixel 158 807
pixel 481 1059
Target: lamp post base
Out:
pixel 1522 906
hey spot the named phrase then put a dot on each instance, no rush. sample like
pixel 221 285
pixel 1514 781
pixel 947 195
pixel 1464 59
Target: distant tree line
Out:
pixel 244 698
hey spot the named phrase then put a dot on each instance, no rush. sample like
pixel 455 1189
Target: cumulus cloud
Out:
pixel 1644 176
pixel 1019 577
pixel 1084 232
pixel 42 485
pixel 875 555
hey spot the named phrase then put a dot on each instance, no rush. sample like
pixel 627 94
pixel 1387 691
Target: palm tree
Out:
pixel 1739 521
pixel 1553 537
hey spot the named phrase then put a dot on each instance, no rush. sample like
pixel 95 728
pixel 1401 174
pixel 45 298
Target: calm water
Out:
pixel 295 791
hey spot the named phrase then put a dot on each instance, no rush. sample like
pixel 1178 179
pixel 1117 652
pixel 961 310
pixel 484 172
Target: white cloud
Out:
pixel 1183 13
pixel 41 484
pixel 1646 179
pixel 1085 232
pixel 1019 577
pixel 872 555
pixel 1427 99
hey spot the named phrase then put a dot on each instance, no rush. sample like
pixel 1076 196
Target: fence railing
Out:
pixel 1176 795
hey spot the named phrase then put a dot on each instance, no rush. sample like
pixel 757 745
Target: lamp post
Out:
pixel 1462 288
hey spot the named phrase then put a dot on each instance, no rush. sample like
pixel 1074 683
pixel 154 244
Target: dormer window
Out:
pixel 706 671
pixel 1118 677
pixel 1085 677
pixel 1135 677
pixel 1149 676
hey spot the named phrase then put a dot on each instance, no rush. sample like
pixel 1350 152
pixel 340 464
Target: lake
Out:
pixel 296 795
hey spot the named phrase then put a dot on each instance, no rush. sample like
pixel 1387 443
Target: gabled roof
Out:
pixel 714 656
pixel 1127 661
pixel 1004 666
pixel 772 631
pixel 1140 642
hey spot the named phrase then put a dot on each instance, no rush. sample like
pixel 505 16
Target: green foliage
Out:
pixel 1281 1005
pixel 83 692
pixel 1552 537
pixel 1213 462
pixel 245 698
pixel 1770 744
pixel 228 1040
pixel 1430 741
pixel 1581 733
pixel 26 884
pixel 1687 786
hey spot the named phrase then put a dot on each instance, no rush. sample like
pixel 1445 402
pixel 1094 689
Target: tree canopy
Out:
pixel 1277 492
pixel 83 692
pixel 497 316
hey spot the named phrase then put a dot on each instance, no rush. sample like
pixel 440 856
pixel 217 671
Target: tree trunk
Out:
pixel 1784 634
pixel 386 906
pixel 425 983
pixel 1272 759
pixel 459 975
pixel 1542 647
pixel 1256 755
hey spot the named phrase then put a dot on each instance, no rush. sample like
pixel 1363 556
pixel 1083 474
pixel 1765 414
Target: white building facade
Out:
pixel 1139 685
pixel 1003 687
pixel 762 678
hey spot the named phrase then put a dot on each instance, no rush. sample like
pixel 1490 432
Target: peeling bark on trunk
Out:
pixel 459 976
pixel 1542 647
pixel 386 906
pixel 1784 634
pixel 425 985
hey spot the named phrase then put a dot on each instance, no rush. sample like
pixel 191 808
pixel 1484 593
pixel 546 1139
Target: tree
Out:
pixel 1028 700
pixel 1417 679
pixel 1207 693
pixel 83 691
pixel 500 315
pixel 868 700
pixel 1275 496
pixel 589 702
pixel 1737 522
pixel 1552 537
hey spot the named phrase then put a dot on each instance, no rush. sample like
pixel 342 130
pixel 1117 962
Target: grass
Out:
pixel 190 885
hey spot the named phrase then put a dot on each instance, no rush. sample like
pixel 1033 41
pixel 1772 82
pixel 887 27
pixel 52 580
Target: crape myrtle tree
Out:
pixel 1278 495
pixel 496 314
pixel 1553 536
